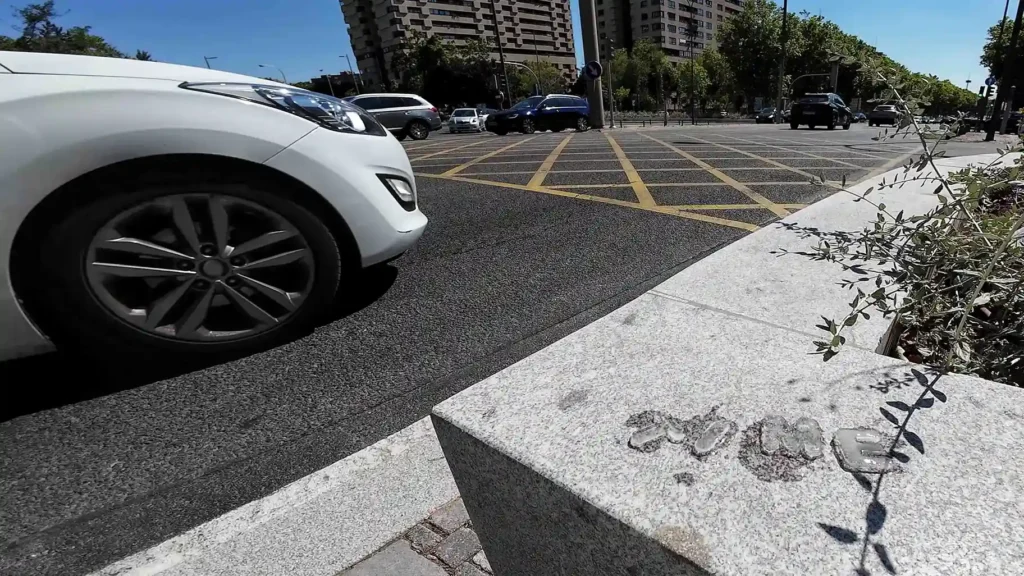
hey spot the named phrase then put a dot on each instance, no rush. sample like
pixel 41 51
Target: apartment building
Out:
pixel 668 23
pixel 530 30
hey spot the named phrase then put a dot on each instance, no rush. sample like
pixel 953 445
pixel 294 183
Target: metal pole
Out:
pixel 1009 66
pixel 693 81
pixel 283 77
pixel 501 53
pixel 591 53
pixel 329 84
pixel 1006 112
pixel 207 59
pixel 782 63
pixel 356 79
pixel 611 87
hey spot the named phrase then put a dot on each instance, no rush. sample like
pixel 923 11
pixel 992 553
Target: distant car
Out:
pixel 765 116
pixel 860 117
pixel 825 109
pixel 465 120
pixel 402 114
pixel 884 114
pixel 229 221
pixel 554 112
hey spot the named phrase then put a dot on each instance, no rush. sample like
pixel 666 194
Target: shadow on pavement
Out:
pixel 60 378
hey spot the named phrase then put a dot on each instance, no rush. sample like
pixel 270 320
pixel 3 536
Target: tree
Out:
pixel 39 33
pixel 993 57
pixel 143 55
pixel 749 42
pixel 550 77
pixel 695 78
pixel 719 79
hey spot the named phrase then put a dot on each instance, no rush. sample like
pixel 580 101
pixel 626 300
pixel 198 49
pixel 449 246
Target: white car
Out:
pixel 465 120
pixel 174 212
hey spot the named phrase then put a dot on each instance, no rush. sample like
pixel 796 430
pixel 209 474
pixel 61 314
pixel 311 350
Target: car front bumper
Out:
pixel 345 170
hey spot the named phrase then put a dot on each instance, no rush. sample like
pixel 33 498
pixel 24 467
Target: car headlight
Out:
pixel 324 110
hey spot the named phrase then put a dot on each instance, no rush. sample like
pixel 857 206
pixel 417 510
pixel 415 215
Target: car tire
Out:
pixel 810 126
pixel 88 321
pixel 417 130
pixel 846 126
pixel 400 135
pixel 526 126
pixel 582 124
pixel 501 131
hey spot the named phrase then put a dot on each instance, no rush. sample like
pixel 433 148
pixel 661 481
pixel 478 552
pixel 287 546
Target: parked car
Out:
pixel 820 110
pixel 554 112
pixel 402 114
pixel 225 223
pixel 465 120
pixel 765 116
pixel 884 114
pixel 860 117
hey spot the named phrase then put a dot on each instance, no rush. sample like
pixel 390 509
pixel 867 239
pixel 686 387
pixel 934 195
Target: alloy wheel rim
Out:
pixel 200 267
pixel 581 124
pixel 417 130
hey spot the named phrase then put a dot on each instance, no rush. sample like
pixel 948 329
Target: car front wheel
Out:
pixel 527 127
pixel 793 125
pixel 582 124
pixel 166 268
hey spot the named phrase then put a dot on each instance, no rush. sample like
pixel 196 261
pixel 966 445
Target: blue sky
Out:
pixel 941 37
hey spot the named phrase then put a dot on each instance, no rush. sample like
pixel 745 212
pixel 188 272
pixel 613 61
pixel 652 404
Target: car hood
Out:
pixel 65 64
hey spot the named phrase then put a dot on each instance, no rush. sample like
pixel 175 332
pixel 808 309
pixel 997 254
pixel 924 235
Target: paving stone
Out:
pixel 423 539
pixel 459 547
pixel 450 516
pixel 396 558
pixel 481 560
pixel 468 569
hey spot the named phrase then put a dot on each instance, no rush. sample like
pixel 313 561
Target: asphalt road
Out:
pixel 530 238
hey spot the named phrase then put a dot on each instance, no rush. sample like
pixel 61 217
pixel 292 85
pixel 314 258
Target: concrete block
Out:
pixel 458 547
pixel 480 559
pixel 397 558
pixel 540 453
pixel 422 539
pixel 468 569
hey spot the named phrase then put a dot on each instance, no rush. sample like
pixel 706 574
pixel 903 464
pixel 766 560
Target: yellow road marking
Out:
pixel 807 175
pixel 432 154
pixel 542 172
pixel 462 167
pixel 789 150
pixel 732 206
pixel 643 195
pixel 768 204
pixel 658 209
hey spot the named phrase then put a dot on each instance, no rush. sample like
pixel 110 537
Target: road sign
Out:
pixel 990 81
pixel 593 70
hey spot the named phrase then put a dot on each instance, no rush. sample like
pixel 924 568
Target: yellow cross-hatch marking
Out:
pixel 671 211
pixel 807 175
pixel 549 162
pixel 791 150
pixel 643 195
pixel 432 154
pixel 462 167
pixel 766 203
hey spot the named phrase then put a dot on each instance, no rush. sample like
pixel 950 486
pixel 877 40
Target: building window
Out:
pixel 600 12
pixel 655 27
pixel 719 17
pixel 643 16
pixel 700 11
pixel 643 3
pixel 708 2
pixel 719 7
pixel 700 23
pixel 671 27
pixel 672 16
pixel 645 28
pixel 658 14
pixel 671 40
pixel 671 3
pixel 710 36
pixel 600 24
pixel 440 12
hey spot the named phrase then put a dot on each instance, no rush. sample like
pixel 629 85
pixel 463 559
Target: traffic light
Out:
pixel 988 92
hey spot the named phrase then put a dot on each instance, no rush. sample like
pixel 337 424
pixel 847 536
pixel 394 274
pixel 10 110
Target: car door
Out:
pixel 548 114
pixel 392 112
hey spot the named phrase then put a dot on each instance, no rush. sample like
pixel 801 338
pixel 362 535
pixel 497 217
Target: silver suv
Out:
pixel 402 114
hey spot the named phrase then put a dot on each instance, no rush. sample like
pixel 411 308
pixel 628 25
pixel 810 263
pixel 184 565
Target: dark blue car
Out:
pixel 554 112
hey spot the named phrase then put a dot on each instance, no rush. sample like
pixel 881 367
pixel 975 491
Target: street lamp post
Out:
pixel 352 72
pixel 536 81
pixel 1009 66
pixel 283 77
pixel 208 58
pixel 611 88
pixel 501 52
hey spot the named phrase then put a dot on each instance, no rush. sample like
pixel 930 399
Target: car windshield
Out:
pixel 814 98
pixel 464 112
pixel 529 103
pixel 767 110
pixel 886 108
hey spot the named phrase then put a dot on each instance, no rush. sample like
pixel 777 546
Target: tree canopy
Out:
pixel 993 57
pixel 40 33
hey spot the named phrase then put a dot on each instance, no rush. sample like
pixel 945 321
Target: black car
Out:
pixel 554 112
pixel 765 116
pixel 820 110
